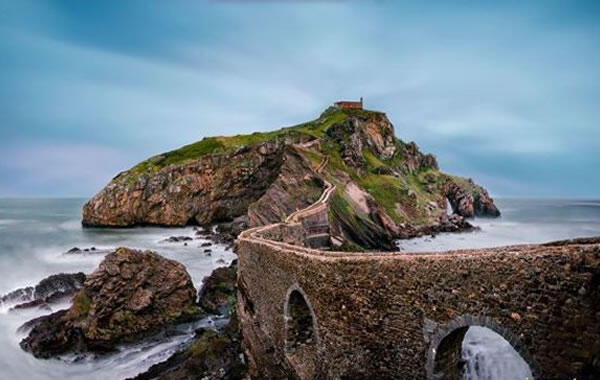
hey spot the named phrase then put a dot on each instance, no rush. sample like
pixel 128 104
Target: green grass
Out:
pixel 340 206
pixel 386 190
pixel 373 162
pixel 313 157
pixel 228 144
pixel 191 151
pixel 318 127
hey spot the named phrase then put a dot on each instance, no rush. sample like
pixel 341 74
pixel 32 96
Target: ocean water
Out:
pixel 522 221
pixel 34 234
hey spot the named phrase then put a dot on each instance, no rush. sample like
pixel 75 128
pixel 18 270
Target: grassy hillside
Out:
pixel 228 144
pixel 402 197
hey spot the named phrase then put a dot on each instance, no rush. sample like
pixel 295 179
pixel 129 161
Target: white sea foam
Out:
pixel 488 356
pixel 34 247
pixel 71 225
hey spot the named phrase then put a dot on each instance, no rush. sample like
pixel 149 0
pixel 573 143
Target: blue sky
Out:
pixel 503 92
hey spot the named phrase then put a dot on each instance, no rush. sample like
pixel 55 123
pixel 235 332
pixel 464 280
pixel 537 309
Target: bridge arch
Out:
pixel 300 321
pixel 444 356
pixel 301 334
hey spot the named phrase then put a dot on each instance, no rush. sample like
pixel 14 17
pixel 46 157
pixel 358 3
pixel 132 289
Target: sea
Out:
pixel 36 233
pixel 34 236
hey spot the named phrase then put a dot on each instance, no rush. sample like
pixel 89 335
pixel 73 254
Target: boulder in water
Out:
pixel 212 354
pixel 176 239
pixel 130 295
pixel 218 292
pixel 51 289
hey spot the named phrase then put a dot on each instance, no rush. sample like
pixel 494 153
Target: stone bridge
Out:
pixel 315 314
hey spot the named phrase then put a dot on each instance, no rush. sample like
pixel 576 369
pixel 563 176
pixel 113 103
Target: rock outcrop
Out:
pixel 217 295
pixel 212 188
pixel 296 187
pixel 212 354
pixel 373 131
pixel 130 295
pixel 469 199
pixel 50 290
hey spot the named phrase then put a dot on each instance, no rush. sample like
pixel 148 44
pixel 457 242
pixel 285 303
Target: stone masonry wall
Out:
pixel 386 314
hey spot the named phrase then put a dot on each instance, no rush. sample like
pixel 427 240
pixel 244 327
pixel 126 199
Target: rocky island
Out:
pixel 387 188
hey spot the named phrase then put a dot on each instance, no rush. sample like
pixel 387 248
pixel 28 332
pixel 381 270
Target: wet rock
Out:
pixel 58 285
pixel 176 239
pixel 50 290
pixel 86 251
pixel 217 295
pixel 27 326
pixel 18 296
pixel 39 304
pixel 212 355
pixel 130 295
pixel 203 231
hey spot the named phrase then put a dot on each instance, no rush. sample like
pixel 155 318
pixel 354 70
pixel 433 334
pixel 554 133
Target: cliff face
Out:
pixel 386 188
pixel 214 187
pixel 296 187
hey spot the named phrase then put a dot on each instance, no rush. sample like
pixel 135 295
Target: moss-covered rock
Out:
pixel 212 355
pixel 218 292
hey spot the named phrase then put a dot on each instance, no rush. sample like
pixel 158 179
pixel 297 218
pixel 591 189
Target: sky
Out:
pixel 503 92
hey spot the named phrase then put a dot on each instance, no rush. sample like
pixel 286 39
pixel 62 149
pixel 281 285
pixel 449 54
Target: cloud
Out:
pixel 58 168
pixel 453 78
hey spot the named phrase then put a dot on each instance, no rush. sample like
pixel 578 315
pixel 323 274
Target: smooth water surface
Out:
pixel 522 221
